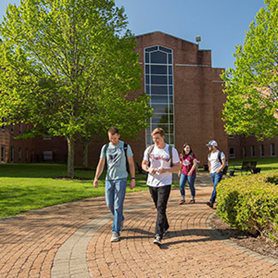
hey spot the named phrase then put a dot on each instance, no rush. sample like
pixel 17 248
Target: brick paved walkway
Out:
pixel 73 240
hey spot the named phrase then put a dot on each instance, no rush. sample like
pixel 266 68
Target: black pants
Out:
pixel 160 196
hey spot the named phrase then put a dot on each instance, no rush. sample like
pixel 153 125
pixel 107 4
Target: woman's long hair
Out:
pixel 183 152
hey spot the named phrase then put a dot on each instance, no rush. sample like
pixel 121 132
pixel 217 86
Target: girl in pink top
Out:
pixel 187 172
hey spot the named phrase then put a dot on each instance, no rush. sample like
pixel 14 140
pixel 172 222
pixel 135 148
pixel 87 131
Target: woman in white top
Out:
pixel 160 161
pixel 216 164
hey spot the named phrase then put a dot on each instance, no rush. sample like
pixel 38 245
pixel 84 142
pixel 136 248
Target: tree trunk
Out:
pixel 85 153
pixel 70 169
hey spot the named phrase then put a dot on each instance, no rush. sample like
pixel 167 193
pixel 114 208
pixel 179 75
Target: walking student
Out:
pixel 119 157
pixel 216 164
pixel 188 173
pixel 160 161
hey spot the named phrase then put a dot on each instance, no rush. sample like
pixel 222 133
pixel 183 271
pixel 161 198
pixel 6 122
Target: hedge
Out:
pixel 250 203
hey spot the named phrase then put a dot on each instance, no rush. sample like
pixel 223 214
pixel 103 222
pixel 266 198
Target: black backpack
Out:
pixel 125 150
pixel 225 169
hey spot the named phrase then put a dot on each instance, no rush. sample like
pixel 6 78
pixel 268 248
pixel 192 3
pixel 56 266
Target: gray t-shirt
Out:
pixel 213 158
pixel 116 161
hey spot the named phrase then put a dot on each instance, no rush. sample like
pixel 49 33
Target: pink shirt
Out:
pixel 187 163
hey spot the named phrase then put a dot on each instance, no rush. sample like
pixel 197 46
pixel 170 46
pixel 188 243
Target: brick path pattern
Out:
pixel 73 240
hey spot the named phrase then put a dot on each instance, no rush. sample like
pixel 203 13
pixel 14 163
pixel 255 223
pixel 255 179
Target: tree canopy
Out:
pixel 69 68
pixel 251 87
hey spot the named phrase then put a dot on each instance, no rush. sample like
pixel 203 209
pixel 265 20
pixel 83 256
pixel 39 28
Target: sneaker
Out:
pixel 157 240
pixel 210 204
pixel 182 202
pixel 192 201
pixel 115 237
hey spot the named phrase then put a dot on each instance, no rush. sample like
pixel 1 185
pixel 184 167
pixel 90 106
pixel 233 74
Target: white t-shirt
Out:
pixel 214 161
pixel 160 158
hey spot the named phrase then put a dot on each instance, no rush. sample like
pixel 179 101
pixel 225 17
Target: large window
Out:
pixel 262 150
pixel 272 149
pixel 232 153
pixel 244 154
pixel 252 150
pixel 159 86
pixel 3 153
pixel 12 154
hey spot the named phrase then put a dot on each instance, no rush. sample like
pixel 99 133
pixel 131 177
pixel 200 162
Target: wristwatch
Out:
pixel 132 178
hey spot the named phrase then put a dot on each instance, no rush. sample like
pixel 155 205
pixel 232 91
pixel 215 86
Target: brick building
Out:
pixel 187 98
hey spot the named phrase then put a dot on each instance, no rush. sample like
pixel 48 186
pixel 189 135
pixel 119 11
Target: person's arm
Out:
pixel 145 167
pixel 132 171
pixel 180 170
pixel 174 169
pixel 223 164
pixel 195 163
pixel 99 171
pixel 209 165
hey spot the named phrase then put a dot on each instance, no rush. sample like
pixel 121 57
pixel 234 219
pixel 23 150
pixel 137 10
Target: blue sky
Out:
pixel 222 24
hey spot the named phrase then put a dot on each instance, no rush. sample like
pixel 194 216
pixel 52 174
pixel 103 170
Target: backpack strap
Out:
pixel 171 155
pixel 219 156
pixel 225 169
pixel 105 151
pixel 126 160
pixel 149 152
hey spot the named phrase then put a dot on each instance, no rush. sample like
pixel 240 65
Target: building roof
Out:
pixel 159 32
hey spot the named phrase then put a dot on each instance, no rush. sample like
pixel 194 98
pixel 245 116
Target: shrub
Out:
pixel 250 203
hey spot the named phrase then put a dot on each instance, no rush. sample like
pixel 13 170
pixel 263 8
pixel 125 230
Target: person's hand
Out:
pixel 161 170
pixel 152 170
pixel 95 183
pixel 132 183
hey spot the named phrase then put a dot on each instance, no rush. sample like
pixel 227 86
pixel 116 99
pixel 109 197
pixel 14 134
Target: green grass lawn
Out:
pixel 31 186
pixel 266 164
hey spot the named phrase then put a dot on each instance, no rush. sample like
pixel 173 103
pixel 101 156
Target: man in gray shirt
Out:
pixel 118 157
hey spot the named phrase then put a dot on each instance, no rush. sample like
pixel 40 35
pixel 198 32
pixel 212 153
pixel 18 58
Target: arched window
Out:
pixel 159 86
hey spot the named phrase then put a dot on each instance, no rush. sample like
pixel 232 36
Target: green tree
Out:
pixel 64 62
pixel 251 87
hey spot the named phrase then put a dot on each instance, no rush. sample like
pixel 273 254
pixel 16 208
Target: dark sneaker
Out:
pixel 115 237
pixel 210 204
pixel 192 201
pixel 157 240
pixel 182 202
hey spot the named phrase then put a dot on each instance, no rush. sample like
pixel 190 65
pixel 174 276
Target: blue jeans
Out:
pixel 191 182
pixel 216 178
pixel 114 196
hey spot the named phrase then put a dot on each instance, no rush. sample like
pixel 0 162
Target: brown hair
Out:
pixel 113 130
pixel 159 131
pixel 183 152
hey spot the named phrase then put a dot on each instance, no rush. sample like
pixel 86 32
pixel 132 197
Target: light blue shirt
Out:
pixel 116 161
